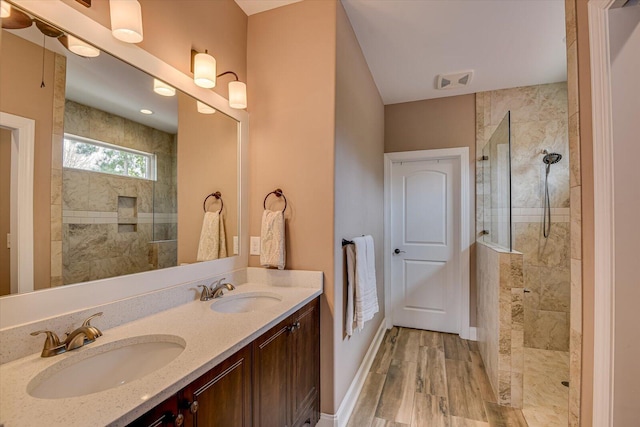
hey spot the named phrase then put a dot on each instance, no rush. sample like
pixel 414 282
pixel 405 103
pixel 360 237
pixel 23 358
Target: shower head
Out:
pixel 551 158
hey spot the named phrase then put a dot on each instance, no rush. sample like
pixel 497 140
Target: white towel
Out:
pixel 366 291
pixel 272 250
pixel 213 240
pixel 351 271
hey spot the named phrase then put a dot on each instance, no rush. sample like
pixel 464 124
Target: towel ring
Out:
pixel 218 196
pixel 278 193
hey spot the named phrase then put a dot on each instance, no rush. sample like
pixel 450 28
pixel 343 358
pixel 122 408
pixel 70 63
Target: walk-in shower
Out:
pixel 548 159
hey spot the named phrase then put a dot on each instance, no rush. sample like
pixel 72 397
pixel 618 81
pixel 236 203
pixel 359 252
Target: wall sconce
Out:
pixel 204 108
pixel 5 9
pixel 126 20
pixel 203 67
pixel 161 88
pixel 78 46
pixel 237 92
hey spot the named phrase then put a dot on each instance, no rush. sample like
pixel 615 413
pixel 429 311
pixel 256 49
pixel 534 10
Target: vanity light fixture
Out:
pixel 161 88
pixel 79 47
pixel 5 9
pixel 204 108
pixel 203 67
pixel 126 20
pixel 237 92
pixel 146 111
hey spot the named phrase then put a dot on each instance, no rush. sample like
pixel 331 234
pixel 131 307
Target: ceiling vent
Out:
pixel 454 80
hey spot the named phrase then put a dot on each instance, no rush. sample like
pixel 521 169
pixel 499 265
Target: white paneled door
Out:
pixel 425 258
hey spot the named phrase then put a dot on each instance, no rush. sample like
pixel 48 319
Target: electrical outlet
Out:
pixel 235 245
pixel 255 245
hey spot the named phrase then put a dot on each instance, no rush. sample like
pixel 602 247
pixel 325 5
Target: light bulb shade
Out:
pixel 204 70
pixel 81 48
pixel 5 9
pixel 161 88
pixel 237 95
pixel 126 20
pixel 204 108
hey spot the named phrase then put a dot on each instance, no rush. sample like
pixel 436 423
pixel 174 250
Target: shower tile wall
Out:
pixel 93 247
pixel 539 121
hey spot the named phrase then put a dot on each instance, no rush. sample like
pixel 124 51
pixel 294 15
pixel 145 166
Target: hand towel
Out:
pixel 351 271
pixel 366 291
pixel 213 243
pixel 272 250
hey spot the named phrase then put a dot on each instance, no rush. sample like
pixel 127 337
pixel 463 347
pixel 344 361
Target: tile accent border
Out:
pixel 60 67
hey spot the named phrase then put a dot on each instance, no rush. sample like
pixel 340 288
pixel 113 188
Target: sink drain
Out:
pixel 565 383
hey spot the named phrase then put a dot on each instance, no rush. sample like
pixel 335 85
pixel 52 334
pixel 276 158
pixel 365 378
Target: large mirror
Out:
pixel 123 165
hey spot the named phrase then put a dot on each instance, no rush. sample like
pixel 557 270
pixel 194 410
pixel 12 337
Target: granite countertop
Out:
pixel 210 338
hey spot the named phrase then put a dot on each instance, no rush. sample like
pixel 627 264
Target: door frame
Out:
pixel 22 155
pixel 604 214
pixel 460 154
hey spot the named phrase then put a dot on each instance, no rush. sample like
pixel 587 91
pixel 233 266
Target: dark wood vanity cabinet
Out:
pixel 272 382
pixel 222 396
pixel 286 372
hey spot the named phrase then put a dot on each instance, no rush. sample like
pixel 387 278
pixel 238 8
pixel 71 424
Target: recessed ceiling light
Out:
pixel 145 111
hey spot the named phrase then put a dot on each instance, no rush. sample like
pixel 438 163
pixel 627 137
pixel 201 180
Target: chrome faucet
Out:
pixel 85 334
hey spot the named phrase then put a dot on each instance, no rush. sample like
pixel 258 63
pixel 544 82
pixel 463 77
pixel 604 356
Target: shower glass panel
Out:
pixel 496 182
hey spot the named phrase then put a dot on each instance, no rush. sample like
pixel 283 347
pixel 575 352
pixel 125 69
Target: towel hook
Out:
pixel 278 193
pixel 218 196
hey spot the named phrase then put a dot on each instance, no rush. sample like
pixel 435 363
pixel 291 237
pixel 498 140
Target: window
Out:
pixel 97 156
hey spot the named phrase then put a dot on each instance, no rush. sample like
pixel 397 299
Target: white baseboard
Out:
pixel 473 333
pixel 341 417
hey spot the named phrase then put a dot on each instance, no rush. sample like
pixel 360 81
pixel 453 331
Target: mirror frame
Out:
pixel 18 309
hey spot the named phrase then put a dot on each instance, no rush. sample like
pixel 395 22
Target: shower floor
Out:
pixel 546 400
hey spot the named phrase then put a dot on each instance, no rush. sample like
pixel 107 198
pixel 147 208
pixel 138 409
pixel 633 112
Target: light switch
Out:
pixel 255 245
pixel 235 245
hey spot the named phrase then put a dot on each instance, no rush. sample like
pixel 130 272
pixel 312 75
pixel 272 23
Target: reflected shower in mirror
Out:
pixel 122 164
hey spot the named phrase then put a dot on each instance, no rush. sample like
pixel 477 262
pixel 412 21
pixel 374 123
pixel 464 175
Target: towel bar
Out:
pixel 218 196
pixel 278 193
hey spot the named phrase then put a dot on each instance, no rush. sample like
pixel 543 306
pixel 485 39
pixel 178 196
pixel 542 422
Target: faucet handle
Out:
pixel 52 339
pixel 206 293
pixel 216 283
pixel 52 345
pixel 87 323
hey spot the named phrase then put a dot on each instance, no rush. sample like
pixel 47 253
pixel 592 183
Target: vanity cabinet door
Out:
pixel 222 396
pixel 305 365
pixel 164 415
pixel 271 377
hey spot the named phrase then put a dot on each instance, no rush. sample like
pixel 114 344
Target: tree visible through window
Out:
pixel 97 156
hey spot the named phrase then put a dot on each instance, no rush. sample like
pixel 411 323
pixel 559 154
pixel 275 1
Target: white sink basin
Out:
pixel 107 366
pixel 244 303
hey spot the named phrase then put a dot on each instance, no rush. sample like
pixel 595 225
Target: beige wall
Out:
pixel 207 162
pixel 624 33
pixel 5 209
pixel 437 123
pixel 23 96
pixel 173 28
pixel 291 91
pixel 359 190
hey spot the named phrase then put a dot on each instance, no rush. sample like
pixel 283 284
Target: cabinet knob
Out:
pixel 170 417
pixel 294 326
pixel 179 420
pixel 194 407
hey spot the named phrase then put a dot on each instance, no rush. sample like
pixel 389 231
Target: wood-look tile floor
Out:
pixel 423 378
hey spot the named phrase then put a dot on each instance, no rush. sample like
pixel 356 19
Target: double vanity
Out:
pixel 248 357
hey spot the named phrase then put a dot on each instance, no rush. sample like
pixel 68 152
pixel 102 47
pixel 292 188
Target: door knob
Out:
pixel 398 251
